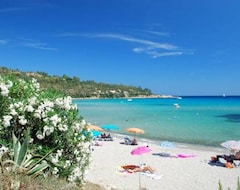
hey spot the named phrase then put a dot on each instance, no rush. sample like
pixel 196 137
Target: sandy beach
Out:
pixel 170 172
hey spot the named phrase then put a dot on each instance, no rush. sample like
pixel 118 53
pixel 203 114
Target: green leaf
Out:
pixel 23 151
pixel 38 168
pixel 17 147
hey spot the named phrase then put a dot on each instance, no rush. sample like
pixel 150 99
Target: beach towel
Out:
pixel 122 171
pixel 151 175
pixel 185 155
pixel 126 172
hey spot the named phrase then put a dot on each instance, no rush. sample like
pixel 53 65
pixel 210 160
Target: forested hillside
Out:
pixel 76 88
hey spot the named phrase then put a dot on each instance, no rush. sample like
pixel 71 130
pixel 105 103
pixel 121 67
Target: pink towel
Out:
pixel 185 155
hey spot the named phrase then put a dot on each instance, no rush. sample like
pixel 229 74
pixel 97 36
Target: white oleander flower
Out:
pixel 62 127
pixel 4 89
pixel 36 85
pixel 40 135
pixel 22 120
pixel 48 130
pixel 77 126
pixel 55 120
pixel 67 164
pixel 6 120
pixel 37 114
pixel 32 100
pixel 13 112
pixel 59 152
pixel 55 159
pixel 55 171
pixel 29 108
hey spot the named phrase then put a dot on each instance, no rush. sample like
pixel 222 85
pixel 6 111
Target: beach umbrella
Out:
pixel 135 130
pixel 94 127
pixel 139 151
pixel 95 133
pixel 109 127
pixel 167 145
pixel 231 145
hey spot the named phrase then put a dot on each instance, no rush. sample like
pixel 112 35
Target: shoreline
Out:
pixel 156 141
pixel 178 144
pixel 134 97
pixel 174 173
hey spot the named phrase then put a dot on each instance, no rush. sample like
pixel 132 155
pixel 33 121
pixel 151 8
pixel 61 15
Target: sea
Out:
pixel 197 120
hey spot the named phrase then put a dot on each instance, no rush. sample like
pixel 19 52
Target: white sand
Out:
pixel 176 173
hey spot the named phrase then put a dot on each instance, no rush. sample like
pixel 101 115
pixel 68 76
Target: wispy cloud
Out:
pixel 35 44
pixel 152 48
pixel 164 34
pixel 156 54
pixel 140 41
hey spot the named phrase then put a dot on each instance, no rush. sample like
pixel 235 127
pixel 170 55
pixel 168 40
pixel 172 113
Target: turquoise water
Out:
pixel 198 120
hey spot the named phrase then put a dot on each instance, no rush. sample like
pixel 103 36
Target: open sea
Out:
pixel 203 120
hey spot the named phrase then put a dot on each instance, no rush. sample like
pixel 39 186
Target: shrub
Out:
pixel 52 122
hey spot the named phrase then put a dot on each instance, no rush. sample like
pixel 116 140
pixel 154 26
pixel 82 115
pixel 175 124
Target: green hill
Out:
pixel 76 88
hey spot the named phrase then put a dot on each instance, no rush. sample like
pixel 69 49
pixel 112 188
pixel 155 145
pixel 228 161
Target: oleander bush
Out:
pixel 41 132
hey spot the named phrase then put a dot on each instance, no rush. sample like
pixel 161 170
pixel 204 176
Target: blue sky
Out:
pixel 187 47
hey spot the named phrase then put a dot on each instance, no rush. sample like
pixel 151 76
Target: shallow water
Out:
pixel 198 120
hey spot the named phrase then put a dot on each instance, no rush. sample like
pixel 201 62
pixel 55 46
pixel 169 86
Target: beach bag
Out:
pixel 228 165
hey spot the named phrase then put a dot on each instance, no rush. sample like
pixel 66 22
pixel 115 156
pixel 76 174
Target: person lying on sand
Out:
pixel 135 168
pixel 229 158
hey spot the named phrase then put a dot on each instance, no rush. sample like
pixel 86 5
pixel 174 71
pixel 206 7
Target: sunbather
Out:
pixel 134 142
pixel 229 158
pixel 128 141
pixel 135 168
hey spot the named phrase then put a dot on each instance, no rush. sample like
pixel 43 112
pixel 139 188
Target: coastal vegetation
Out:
pixel 44 143
pixel 74 87
pixel 41 135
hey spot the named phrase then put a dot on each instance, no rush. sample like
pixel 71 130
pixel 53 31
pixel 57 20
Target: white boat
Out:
pixel 176 105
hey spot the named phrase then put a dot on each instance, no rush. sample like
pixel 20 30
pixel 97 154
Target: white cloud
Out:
pixel 35 44
pixel 157 54
pixel 138 50
pixel 165 34
pixel 38 46
pixel 136 40
pixel 153 48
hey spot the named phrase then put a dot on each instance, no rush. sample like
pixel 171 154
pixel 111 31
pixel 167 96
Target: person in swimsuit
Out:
pixel 135 168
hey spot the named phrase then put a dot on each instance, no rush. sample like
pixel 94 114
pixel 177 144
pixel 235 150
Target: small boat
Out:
pixel 129 99
pixel 176 105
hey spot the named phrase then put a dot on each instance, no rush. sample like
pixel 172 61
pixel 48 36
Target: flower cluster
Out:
pixel 54 124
